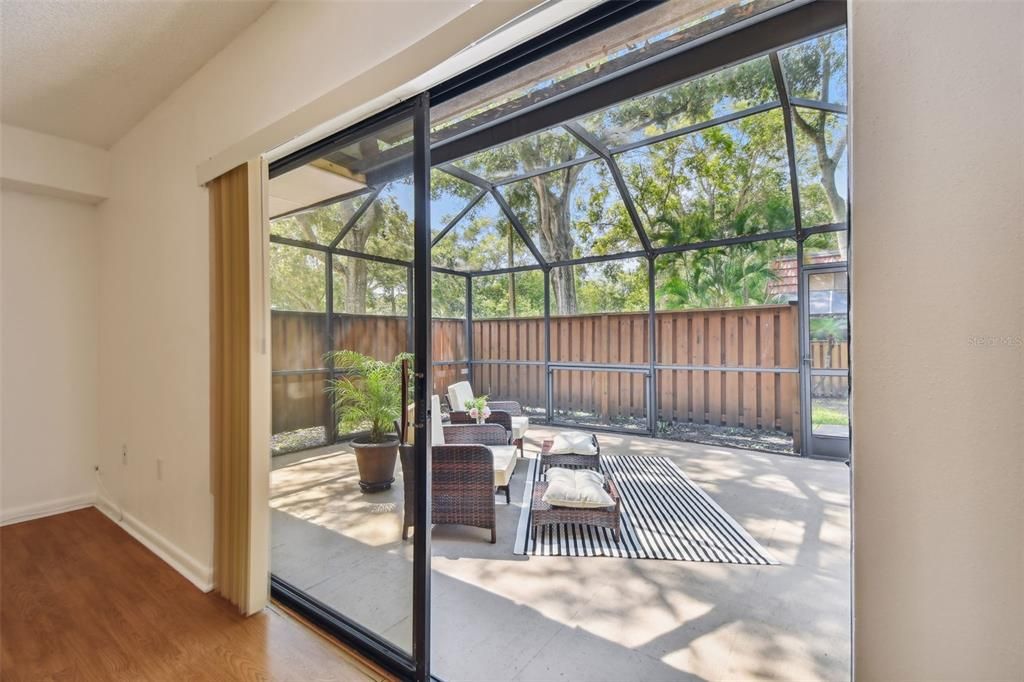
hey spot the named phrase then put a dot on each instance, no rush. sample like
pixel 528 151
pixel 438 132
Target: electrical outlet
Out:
pixel 124 454
pixel 159 469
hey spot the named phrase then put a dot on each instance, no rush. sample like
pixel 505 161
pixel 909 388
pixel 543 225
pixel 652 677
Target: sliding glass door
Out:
pixel 351 217
pixel 646 252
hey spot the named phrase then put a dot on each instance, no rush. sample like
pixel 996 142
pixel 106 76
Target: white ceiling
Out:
pixel 89 70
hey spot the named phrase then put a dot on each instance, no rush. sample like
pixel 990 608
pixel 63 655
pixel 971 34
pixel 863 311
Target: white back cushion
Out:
pixel 573 443
pixel 436 429
pixel 580 488
pixel 458 394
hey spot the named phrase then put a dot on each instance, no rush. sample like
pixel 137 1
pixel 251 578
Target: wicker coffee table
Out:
pixel 569 460
pixel 543 514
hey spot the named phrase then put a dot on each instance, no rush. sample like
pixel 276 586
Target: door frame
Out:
pixel 819 446
pixel 378 649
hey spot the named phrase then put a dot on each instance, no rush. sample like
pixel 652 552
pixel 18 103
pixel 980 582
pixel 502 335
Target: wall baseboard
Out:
pixel 196 572
pixel 48 508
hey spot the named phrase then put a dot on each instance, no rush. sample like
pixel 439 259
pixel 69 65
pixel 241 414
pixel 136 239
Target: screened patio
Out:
pixel 666 270
pixel 502 616
pixel 638 269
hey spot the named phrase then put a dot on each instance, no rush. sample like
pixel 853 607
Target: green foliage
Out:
pixel 448 294
pixel 360 286
pixel 831 328
pixel 493 295
pixel 824 243
pixel 696 101
pixel 296 279
pixel 816 69
pixel 477 403
pixel 717 278
pixel 725 181
pixel 386 227
pixel 319 225
pixel 384 291
pixel 368 395
pixel 612 286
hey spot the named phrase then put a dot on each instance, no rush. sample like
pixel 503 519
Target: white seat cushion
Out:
pixel 519 427
pixel 458 394
pixel 410 412
pixel 579 488
pixel 436 428
pixel 504 463
pixel 573 443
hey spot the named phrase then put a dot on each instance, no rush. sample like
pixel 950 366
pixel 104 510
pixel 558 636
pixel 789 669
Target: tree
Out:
pixel 738 87
pixel 296 279
pixel 543 202
pixel 727 180
pixel 720 278
pixel 816 70
pixel 360 286
pixel 612 286
pixel 448 295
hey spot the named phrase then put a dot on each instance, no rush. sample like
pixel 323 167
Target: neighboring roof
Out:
pixel 787 273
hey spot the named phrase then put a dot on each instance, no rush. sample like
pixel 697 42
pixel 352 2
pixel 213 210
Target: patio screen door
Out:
pixel 350 537
pixel 826 363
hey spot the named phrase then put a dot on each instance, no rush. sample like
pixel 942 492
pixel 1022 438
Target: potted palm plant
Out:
pixel 368 399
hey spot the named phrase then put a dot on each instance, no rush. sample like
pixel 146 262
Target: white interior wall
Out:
pixel 154 250
pixel 49 303
pixel 938 354
pixel 43 164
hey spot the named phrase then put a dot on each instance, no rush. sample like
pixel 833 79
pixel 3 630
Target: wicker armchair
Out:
pixel 462 488
pixel 500 417
pixel 508 413
pixel 462 473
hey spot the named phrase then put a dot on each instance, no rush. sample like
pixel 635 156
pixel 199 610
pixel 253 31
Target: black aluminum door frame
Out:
pixel 824 447
pixel 368 643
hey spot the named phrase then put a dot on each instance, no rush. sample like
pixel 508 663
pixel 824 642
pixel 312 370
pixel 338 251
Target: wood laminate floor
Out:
pixel 80 599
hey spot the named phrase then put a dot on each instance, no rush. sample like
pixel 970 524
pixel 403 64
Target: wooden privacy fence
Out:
pixel 830 355
pixel 728 367
pixel 297 358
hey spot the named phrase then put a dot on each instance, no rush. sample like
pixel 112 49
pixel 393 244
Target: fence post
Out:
pixel 652 380
pixel 469 330
pixel 548 379
pixel 797 415
pixel 331 427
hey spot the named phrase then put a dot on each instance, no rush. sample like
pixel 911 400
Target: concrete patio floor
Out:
pixel 497 616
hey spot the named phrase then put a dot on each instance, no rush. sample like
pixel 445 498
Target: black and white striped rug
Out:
pixel 665 515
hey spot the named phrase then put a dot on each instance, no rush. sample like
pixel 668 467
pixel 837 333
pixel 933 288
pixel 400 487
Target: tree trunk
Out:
pixel 827 165
pixel 554 221
pixel 355 272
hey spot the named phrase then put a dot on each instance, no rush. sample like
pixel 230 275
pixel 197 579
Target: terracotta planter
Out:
pixel 376 463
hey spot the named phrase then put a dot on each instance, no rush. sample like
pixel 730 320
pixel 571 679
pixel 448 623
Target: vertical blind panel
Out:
pixel 229 368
